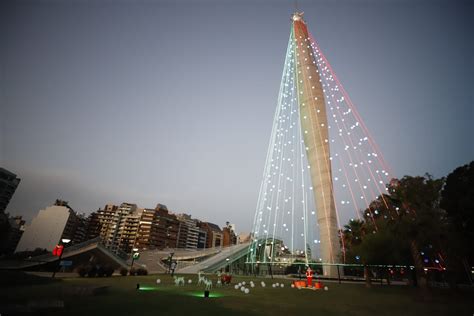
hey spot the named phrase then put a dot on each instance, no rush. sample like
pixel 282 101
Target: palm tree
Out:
pixel 353 233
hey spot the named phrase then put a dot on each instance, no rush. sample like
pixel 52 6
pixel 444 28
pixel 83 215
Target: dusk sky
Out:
pixel 172 101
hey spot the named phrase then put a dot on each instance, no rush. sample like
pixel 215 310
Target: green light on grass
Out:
pixel 148 288
pixel 201 294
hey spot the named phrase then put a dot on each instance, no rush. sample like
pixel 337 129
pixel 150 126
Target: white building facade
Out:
pixel 45 230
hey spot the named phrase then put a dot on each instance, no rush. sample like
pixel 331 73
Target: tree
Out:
pixel 457 199
pixel 353 232
pixel 381 247
pixel 420 220
pixel 399 226
pixel 352 235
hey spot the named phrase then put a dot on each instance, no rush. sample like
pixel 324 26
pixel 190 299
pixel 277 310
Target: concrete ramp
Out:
pixel 81 250
pixel 218 261
pixel 155 260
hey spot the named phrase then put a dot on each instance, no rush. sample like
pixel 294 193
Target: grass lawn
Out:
pixel 121 298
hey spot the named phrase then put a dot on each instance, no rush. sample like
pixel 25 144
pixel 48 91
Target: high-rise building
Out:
pixel 202 238
pixel 49 227
pixel 12 235
pixel 106 219
pixel 75 228
pixel 119 226
pixel 98 222
pixel 148 230
pixel 229 237
pixel 244 237
pixel 8 184
pixel 159 229
pixel 188 232
pixel 93 226
pixel 128 231
pixel 124 227
pixel 168 228
pixel 214 234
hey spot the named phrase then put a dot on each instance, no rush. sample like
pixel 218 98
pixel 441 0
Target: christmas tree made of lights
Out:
pixel 318 140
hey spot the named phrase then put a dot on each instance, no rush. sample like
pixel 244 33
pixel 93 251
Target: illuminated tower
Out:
pixel 314 126
pixel 318 142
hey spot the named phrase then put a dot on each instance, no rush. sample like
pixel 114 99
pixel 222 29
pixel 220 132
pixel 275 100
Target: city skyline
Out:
pixel 93 120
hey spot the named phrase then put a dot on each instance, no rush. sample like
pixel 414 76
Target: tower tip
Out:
pixel 297 16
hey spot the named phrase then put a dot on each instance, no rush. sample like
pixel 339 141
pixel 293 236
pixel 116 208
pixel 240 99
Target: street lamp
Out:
pixel 64 241
pixel 170 260
pixel 135 255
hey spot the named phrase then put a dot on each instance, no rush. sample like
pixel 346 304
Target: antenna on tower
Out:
pixel 297 16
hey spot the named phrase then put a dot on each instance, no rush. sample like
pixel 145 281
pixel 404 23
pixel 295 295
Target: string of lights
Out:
pixel 285 224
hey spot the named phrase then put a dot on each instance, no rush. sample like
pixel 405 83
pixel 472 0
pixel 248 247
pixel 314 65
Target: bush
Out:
pixel 108 270
pixel 142 271
pixel 100 271
pixel 82 271
pixel 123 271
pixel 92 272
pixel 95 271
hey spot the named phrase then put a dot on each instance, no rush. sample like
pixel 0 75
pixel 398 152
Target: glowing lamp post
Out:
pixel 135 255
pixel 170 260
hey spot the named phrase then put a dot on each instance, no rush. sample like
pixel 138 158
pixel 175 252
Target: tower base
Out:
pixel 333 271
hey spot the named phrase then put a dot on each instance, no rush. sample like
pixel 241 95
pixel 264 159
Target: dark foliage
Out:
pixel 142 271
pixel 123 271
pixel 457 198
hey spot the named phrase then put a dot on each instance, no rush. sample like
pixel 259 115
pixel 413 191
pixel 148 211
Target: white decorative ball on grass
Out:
pixel 243 283
pixel 282 285
pixel 236 287
pixel 247 291
pixel 190 281
pixel 158 281
pixel 292 286
pixel 326 288
pixel 240 284
pixel 252 285
pixel 273 285
pixel 263 284
pixel 242 289
pixel 277 284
